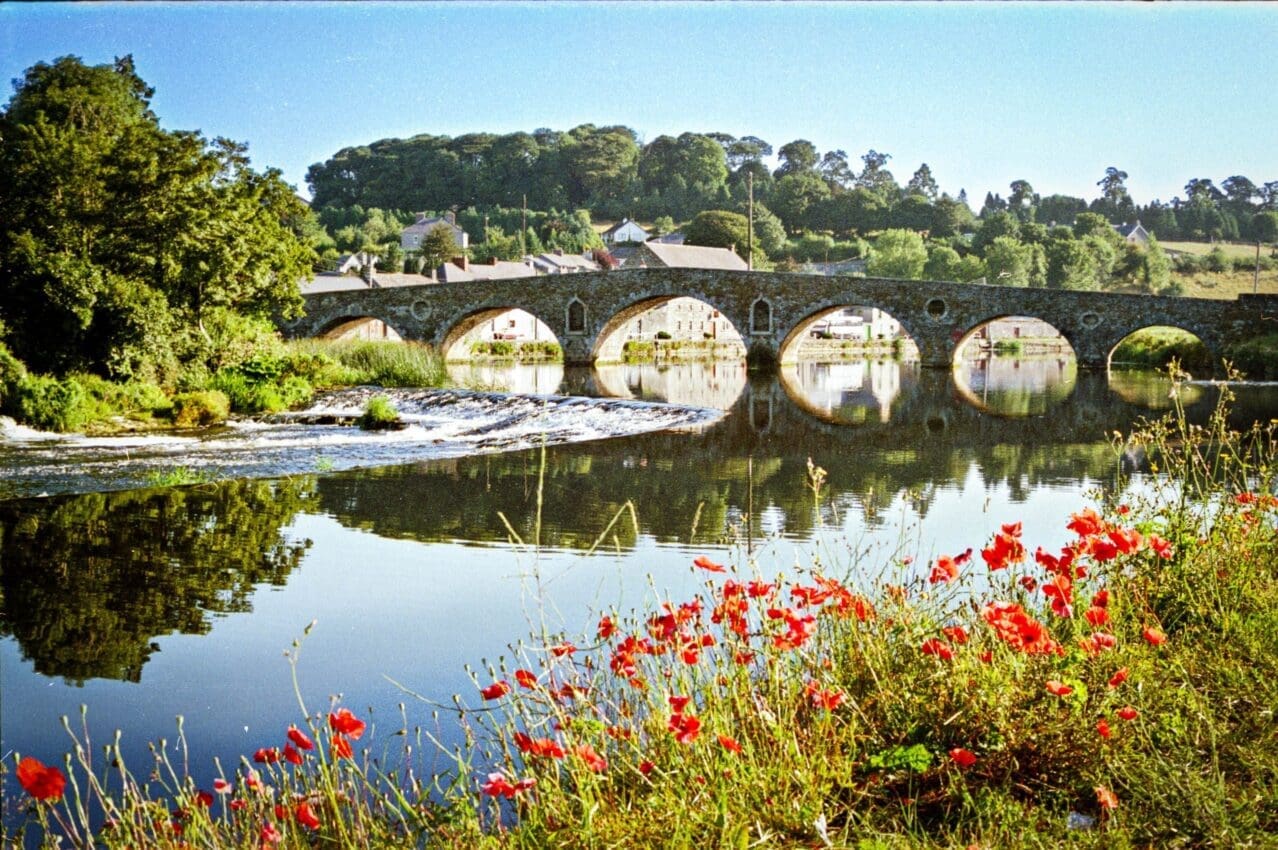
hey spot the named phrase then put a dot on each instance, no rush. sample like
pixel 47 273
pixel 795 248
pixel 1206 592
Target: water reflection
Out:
pixel 1016 386
pixel 849 392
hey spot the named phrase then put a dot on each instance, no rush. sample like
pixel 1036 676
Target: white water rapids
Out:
pixel 439 424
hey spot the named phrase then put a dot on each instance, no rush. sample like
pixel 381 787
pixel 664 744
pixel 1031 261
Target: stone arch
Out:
pixel 358 327
pixel 610 342
pixel 1018 331
pixel 1199 355
pixel 469 323
pixel 793 340
pixel 761 316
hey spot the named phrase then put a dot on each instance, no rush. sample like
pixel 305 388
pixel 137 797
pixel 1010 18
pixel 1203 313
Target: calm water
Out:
pixel 146 604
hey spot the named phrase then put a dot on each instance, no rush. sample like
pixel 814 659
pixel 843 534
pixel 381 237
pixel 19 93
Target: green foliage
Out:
pixel 12 371
pixel 379 414
pixel 200 408
pixel 899 254
pixel 1256 358
pixel 1008 262
pixel 179 476
pixel 51 404
pixel 1155 268
pixel 721 229
pixel 119 234
pixel 1070 265
pixel 439 246
pixel 1156 347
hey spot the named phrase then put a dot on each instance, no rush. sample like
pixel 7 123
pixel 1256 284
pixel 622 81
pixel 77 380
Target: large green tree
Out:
pixel 116 234
pixel 897 253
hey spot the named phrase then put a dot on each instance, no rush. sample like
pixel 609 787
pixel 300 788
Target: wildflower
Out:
pixel 1102 728
pixel 291 755
pixel 1128 713
pixel 685 727
pixel 269 834
pixel 40 781
pixel 496 690
pixel 544 747
pixel 962 757
pixel 221 786
pixel 203 798
pixel 1118 678
pixel 1126 540
pixel 1061 591
pixel 704 563
pixel 729 744
pixel 593 760
pixel 606 627
pixel 304 815
pixel 1029 582
pixel 1160 547
pixel 1096 616
pixel 645 767
pixel 341 748
pixel 759 589
pixel 826 698
pixel 236 805
pixel 1006 548
pixel 1103 550
pixel 939 648
pixel 1154 637
pixel 345 723
pixel 267 755
pixel 559 650
pixel 957 634
pixel 298 737
pixel 1100 599
pixel 944 571
pixel 252 782
pixel 1086 523
pixel 497 786
pixel 1105 798
pixel 526 679
pixel 678 703
pixel 1058 688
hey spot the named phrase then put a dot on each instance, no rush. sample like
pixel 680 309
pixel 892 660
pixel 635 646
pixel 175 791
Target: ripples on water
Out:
pixel 149 603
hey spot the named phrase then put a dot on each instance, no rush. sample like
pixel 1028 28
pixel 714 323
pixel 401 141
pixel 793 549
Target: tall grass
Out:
pixel 1117 692
pixel 387 364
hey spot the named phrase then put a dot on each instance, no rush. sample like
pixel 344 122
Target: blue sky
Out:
pixel 984 93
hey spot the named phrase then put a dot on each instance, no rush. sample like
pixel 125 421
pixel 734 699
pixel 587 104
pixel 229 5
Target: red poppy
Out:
pixel 1029 582
pixel 593 760
pixel 1105 798
pixel 298 737
pixel 757 589
pixel 962 757
pixel 827 698
pixel 345 723
pixel 957 634
pixel 544 747
pixel 1126 540
pixel 1005 549
pixel 1154 636
pixel 678 703
pixel 267 755
pixel 203 798
pixel 937 647
pixel 729 744
pixel 496 690
pixel 291 755
pixel 1096 616
pixel 606 627
pixel 1086 522
pixel 1100 599
pixel 341 748
pixel 1160 547
pixel 269 834
pixel 497 786
pixel 526 679
pixel 1128 713
pixel 945 570
pixel 236 805
pixel 1102 728
pixel 685 727
pixel 645 767
pixel 559 650
pixel 305 815
pixel 1058 688
pixel 702 562
pixel 40 781
pixel 221 786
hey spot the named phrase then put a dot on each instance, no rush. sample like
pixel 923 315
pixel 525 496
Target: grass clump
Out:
pixel 386 364
pixel 379 415
pixel 996 697
pixel 200 408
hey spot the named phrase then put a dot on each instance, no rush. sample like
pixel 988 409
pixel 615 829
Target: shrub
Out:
pixel 12 371
pixel 663 335
pixel 1256 358
pixel 194 409
pixel 51 404
pixel 1158 346
pixel 379 414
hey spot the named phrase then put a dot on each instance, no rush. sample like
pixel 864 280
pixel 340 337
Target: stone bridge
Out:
pixel 772 311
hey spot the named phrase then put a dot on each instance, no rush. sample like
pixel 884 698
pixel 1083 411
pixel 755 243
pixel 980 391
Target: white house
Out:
pixel 1133 233
pixel 410 238
pixel 625 231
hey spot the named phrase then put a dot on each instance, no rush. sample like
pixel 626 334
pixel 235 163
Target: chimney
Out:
pixel 421 216
pixel 461 263
pixel 451 218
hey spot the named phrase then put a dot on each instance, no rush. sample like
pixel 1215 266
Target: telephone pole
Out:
pixel 523 226
pixel 750 223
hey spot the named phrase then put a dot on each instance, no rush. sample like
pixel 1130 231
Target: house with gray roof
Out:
pixel 1133 233
pixel 623 232
pixel 557 262
pixel 666 256
pixel 410 238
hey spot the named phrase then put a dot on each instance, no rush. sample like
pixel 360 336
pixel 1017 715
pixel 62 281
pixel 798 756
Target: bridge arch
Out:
pixel 360 327
pixel 643 318
pixel 470 325
pixel 873 320
pixel 1014 334
pixel 1154 345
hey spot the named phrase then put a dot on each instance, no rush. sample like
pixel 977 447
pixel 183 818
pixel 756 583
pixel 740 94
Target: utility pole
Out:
pixel 523 226
pixel 1255 281
pixel 750 224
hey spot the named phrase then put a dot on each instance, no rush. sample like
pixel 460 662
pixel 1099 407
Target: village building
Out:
pixel 410 238
pixel 625 232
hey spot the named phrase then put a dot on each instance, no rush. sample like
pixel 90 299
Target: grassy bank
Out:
pixel 1155 347
pixel 1114 693
pixel 522 351
pixel 262 376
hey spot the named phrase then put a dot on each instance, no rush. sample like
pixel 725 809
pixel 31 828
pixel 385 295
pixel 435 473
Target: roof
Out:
pixel 330 282
pixel 1126 230
pixel 696 257
pixel 619 225
pixel 426 225
pixel 502 270
pixel 568 261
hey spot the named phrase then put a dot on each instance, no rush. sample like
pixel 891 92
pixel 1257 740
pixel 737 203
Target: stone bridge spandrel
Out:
pixel 769 310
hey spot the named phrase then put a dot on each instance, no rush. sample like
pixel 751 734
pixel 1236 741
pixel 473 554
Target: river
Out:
pixel 414 552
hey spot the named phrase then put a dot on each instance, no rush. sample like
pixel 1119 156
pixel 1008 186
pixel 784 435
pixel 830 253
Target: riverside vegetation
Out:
pixel 1117 692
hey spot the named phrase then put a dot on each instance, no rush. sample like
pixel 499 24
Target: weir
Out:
pixel 771 310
